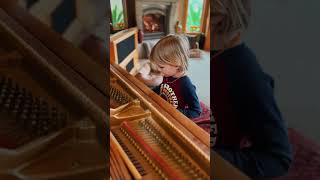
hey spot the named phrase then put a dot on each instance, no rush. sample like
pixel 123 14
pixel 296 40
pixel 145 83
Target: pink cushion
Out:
pixel 203 120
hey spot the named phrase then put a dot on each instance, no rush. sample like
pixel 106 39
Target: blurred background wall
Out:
pixel 285 36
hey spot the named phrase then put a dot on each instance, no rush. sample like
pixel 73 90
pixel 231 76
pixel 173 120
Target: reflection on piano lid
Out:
pixel 154 140
pixel 52 109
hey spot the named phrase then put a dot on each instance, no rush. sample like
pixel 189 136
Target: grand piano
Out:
pixel 149 139
pixel 53 115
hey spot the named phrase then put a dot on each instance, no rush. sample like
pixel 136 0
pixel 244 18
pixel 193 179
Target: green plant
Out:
pixel 117 17
pixel 194 15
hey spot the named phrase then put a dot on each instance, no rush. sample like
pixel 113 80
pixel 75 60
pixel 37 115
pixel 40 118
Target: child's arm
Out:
pixel 147 77
pixel 150 79
pixel 191 98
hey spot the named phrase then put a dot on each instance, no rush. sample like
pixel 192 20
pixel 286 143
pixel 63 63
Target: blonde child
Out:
pixel 251 132
pixel 169 57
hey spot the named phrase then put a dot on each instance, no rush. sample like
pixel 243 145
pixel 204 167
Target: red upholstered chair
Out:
pixel 306 158
pixel 204 119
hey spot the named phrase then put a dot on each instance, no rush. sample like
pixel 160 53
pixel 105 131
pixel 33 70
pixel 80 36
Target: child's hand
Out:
pixel 148 76
pixel 146 69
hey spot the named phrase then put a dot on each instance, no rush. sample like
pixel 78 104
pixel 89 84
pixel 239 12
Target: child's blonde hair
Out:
pixel 172 50
pixel 236 15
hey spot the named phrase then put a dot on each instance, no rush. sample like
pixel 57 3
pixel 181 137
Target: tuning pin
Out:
pixel 44 107
pixel 32 124
pixel 33 121
pixel 3 92
pixel 16 108
pixel 54 114
pixel 26 105
pixel 16 90
pixel 24 111
pixel 14 101
pixel 46 130
pixel 162 175
pixel 27 102
pixel 11 95
pixel 23 117
pixel 18 96
pixel 7 103
pixel 193 175
pixel 198 171
pixel 2 98
pixel 35 111
pixel 33 115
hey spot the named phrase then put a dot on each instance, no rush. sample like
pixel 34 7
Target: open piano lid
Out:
pixel 40 72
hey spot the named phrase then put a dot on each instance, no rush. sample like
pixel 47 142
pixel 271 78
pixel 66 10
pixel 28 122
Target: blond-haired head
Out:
pixel 172 50
pixel 230 16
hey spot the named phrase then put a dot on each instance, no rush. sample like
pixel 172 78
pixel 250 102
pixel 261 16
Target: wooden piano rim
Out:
pixel 163 109
pixel 124 156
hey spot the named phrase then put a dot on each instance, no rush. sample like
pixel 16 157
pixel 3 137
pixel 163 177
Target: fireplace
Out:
pixel 153 23
pixel 156 18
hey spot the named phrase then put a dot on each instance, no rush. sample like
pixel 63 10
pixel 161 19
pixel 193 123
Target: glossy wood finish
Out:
pixel 189 139
pixel 162 107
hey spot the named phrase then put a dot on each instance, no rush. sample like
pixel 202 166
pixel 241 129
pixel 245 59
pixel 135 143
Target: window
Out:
pixel 117 12
pixel 195 8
